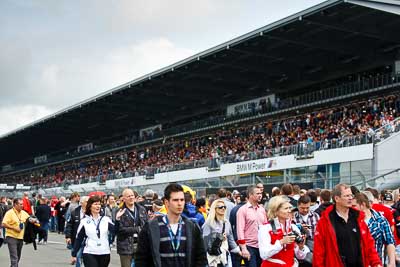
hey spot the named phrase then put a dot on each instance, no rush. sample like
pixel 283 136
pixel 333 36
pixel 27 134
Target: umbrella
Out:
pixel 97 193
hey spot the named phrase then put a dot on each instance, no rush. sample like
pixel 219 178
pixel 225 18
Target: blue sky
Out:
pixel 54 54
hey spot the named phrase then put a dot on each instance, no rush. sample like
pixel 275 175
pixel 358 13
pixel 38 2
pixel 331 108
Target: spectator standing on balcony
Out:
pixel 249 217
pixel 26 204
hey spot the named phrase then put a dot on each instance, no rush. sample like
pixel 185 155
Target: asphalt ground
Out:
pixel 54 254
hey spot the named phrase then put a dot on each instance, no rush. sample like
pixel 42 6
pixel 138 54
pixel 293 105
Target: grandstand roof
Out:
pixel 326 41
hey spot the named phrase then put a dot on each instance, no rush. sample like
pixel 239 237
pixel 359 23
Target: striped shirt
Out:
pixel 169 257
pixel 380 231
pixel 312 219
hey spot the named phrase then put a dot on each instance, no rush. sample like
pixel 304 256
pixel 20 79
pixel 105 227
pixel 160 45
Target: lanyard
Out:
pixel 175 239
pixel 18 217
pixel 97 226
pixel 132 215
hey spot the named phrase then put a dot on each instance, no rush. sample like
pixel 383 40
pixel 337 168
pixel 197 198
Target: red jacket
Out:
pixel 26 205
pixel 326 251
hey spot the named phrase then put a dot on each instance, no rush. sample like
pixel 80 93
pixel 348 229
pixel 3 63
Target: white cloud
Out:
pixel 21 115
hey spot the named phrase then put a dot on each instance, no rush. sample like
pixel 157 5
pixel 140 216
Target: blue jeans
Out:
pixel 255 260
pixel 53 224
pixel 79 257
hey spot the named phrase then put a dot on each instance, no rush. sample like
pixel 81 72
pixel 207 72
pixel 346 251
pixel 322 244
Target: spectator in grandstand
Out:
pixel 129 225
pixel 236 259
pixel 94 230
pixel 218 236
pixel 287 190
pixel 325 201
pixel 43 215
pixel 71 229
pixel 276 238
pixel 379 228
pixel 342 238
pixel 14 223
pixel 171 240
pixel 190 212
pixel 249 217
pixel 222 194
pixel 27 204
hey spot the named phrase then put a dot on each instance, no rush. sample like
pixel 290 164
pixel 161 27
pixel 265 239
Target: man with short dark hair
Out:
pixel 249 217
pixel 342 237
pixel 171 240
pixel 325 201
pixel 14 222
pixel 287 190
pixel 236 258
pixel 306 217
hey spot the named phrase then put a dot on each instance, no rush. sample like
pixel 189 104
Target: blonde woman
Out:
pixel 218 236
pixel 279 240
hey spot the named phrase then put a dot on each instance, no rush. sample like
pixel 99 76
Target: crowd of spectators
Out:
pixel 235 143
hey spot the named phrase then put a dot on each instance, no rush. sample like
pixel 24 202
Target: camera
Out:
pixel 298 238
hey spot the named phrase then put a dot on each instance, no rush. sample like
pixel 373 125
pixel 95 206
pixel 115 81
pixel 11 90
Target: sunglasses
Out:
pixel 221 207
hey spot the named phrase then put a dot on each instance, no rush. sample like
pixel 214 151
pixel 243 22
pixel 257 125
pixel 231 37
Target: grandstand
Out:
pixel 311 99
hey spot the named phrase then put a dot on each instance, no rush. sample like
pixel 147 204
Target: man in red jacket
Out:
pixel 342 237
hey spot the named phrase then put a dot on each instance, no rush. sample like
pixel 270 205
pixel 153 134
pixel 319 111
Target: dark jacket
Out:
pixel 128 230
pixel 148 254
pixel 43 213
pixel 72 224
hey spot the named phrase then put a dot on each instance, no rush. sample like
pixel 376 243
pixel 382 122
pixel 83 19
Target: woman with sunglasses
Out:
pixel 93 233
pixel 218 236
